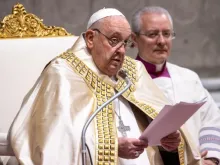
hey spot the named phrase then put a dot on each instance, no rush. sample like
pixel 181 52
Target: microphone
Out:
pixel 123 75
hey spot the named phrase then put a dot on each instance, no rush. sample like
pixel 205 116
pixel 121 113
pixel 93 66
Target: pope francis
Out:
pixel 47 129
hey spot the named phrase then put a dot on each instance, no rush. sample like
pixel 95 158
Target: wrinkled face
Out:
pixel 106 44
pixel 154 41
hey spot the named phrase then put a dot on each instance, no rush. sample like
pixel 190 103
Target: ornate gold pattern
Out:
pixel 106 135
pixel 107 147
pixel 181 151
pixel 21 24
pixel 130 67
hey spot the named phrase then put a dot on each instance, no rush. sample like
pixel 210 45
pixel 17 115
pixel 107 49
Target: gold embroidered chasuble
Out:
pixel 40 123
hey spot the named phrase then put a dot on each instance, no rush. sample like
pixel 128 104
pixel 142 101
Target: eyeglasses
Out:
pixel 154 34
pixel 115 41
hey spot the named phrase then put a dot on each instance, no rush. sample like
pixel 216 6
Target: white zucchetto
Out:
pixel 102 13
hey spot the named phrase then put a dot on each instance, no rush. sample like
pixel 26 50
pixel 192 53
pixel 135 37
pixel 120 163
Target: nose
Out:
pixel 121 49
pixel 161 40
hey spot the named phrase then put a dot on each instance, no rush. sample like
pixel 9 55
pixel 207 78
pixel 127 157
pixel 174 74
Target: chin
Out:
pixel 161 58
pixel 113 72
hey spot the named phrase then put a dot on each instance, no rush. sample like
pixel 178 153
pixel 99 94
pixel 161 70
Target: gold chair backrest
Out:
pixel 21 24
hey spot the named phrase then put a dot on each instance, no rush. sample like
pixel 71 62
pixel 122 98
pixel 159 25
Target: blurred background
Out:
pixel 196 23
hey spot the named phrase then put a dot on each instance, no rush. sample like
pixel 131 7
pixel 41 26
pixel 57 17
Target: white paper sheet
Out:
pixel 170 119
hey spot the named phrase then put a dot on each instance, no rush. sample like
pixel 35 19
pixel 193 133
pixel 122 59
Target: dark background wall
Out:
pixel 196 22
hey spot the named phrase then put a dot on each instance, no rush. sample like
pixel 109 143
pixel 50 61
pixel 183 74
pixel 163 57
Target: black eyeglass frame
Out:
pixel 127 43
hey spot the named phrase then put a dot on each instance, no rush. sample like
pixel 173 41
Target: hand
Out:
pixel 130 148
pixel 203 154
pixel 208 162
pixel 171 142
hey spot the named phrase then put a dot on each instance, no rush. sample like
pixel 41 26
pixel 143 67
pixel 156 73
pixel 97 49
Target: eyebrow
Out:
pixel 159 30
pixel 115 33
pixel 119 35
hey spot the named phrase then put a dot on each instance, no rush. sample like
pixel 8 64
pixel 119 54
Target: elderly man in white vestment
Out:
pixel 152 34
pixel 47 129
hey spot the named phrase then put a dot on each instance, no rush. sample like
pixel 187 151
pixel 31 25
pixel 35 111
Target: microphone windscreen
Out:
pixel 122 73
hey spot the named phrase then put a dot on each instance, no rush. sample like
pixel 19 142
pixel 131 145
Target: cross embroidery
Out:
pixel 122 128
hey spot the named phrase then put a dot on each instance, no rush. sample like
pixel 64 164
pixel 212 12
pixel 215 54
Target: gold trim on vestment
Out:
pixel 181 151
pixel 130 67
pixel 106 133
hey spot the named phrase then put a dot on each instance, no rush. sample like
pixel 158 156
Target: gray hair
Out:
pixel 136 18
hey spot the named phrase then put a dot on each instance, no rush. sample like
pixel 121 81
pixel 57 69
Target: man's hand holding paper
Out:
pixel 171 142
pixel 130 148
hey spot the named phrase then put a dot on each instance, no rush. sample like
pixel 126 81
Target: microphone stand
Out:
pixel 83 138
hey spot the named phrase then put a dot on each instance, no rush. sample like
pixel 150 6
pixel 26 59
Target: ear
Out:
pixel 134 39
pixel 89 38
